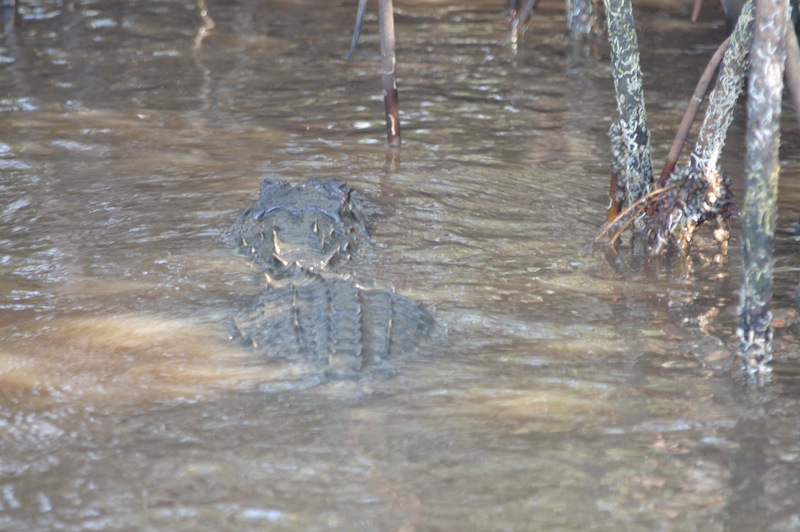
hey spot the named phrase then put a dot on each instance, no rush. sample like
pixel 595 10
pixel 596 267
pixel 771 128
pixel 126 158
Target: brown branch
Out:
pixel 793 69
pixel 615 203
pixel 641 202
pixel 691 112
pixel 627 224
pixel 389 74
pixel 696 11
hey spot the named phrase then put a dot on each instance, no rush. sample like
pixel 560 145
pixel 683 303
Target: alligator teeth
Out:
pixel 244 243
pixel 315 227
pixel 276 242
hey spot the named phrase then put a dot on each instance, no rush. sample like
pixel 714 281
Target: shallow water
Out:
pixel 555 394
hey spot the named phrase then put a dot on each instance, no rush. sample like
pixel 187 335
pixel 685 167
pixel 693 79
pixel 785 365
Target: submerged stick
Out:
pixel 583 19
pixel 761 185
pixel 641 204
pixel 388 68
pixel 207 27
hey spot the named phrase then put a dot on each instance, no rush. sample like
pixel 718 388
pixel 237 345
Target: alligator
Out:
pixel 303 238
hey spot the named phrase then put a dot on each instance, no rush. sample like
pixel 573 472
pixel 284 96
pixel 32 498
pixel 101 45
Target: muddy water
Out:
pixel 556 393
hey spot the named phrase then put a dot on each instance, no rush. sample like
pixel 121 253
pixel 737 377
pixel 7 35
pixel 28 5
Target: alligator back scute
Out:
pixel 331 323
pixel 392 324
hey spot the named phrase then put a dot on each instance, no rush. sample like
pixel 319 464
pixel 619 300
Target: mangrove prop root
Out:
pixel 703 193
pixel 630 139
pixel 722 100
pixel 389 72
pixel 765 86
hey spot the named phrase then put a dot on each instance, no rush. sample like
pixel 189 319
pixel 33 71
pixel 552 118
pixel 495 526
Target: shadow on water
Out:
pixel 556 393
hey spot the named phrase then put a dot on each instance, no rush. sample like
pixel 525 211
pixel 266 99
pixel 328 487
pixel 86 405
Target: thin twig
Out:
pixel 696 11
pixel 691 112
pixel 362 7
pixel 630 220
pixel 635 204
pixel 793 69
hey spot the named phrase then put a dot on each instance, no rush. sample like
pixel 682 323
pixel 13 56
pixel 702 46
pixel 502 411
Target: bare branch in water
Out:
pixel 389 72
pixel 640 205
pixel 793 70
pixel 696 10
pixel 362 7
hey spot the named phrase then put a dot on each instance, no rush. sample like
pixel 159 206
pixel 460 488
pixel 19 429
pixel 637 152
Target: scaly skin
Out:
pixel 310 310
pixel 309 227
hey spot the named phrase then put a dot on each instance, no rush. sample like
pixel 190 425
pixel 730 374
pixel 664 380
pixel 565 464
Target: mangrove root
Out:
pixel 765 87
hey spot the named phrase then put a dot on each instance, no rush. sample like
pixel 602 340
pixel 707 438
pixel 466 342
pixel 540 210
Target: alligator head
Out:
pixel 309 226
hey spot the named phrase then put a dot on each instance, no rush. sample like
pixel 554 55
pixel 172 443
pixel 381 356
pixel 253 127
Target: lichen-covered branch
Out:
pixel 722 100
pixel 765 87
pixel 690 114
pixel 630 140
pixel 702 191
